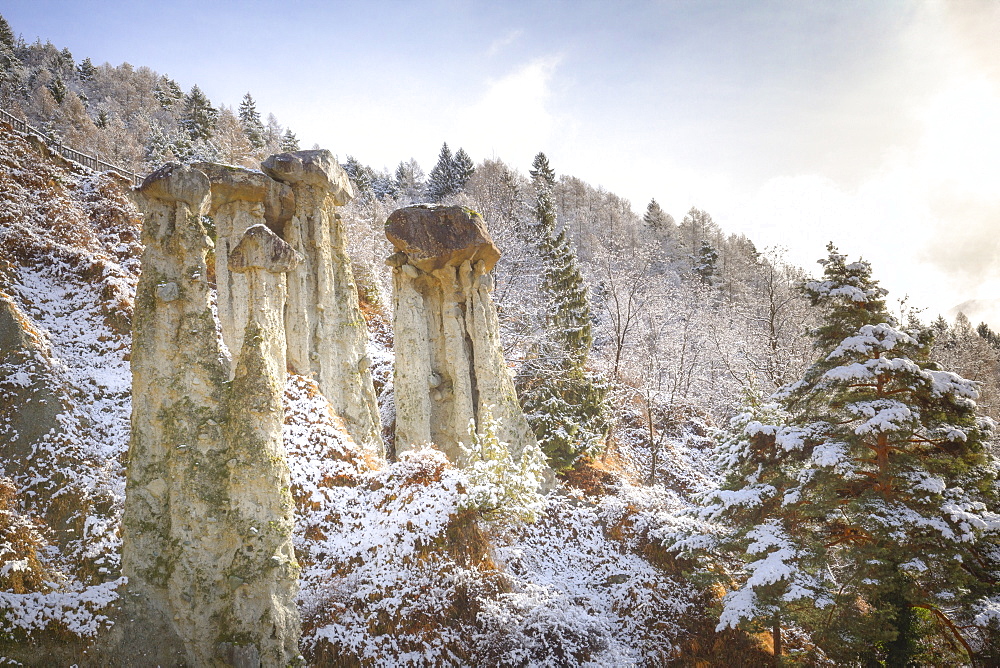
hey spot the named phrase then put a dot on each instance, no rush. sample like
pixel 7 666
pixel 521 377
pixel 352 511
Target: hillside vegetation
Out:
pixel 742 448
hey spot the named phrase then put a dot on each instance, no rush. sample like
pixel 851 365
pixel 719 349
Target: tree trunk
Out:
pixel 776 638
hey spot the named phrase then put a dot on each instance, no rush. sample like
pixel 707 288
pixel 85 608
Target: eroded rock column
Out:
pixel 327 335
pixel 263 573
pixel 449 363
pixel 241 198
pixel 207 520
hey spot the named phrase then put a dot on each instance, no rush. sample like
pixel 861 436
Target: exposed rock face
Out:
pixel 240 198
pixel 29 405
pixel 208 516
pixel 326 332
pixel 449 362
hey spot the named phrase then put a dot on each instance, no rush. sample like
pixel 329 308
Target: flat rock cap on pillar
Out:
pixel 316 168
pixel 260 248
pixel 232 184
pixel 434 236
pixel 174 182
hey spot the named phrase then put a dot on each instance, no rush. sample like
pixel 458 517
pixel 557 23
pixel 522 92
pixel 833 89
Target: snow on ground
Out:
pixel 395 569
pixel 74 292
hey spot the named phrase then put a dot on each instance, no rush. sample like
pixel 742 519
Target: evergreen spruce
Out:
pixel 656 220
pixel 253 127
pixel 58 89
pixel 564 402
pixel 167 92
pixel 199 115
pixel 442 180
pixel 705 263
pixel 289 142
pixel 66 61
pixel 865 500
pixel 462 168
pixel 86 70
pixel 7 38
pixel 362 178
pixel 988 335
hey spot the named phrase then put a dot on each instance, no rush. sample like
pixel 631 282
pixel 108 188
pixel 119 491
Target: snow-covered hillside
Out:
pixel 398 567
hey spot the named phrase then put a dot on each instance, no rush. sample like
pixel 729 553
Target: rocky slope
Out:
pixel 399 563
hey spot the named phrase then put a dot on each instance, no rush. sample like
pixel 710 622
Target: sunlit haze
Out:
pixel 872 125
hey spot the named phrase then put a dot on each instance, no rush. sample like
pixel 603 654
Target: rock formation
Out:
pixel 449 362
pixel 240 198
pixel 327 336
pixel 208 515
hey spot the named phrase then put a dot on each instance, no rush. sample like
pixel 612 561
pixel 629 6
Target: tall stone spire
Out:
pixel 327 336
pixel 207 525
pixel 450 368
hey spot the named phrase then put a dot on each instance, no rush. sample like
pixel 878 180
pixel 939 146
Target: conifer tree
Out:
pixel 250 120
pixel 11 68
pixel 463 169
pixel 362 177
pixel 7 38
pixel 199 115
pixel 705 262
pixel 86 69
pixel 442 180
pixel 167 92
pixel 657 220
pixel 58 89
pixel 988 335
pixel 564 402
pixel 289 142
pixel 865 499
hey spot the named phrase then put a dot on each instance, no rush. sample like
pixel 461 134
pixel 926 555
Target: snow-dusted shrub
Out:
pixel 383 582
pixel 21 541
pixel 497 487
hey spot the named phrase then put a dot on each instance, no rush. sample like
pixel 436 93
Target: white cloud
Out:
pixel 513 117
pixel 501 43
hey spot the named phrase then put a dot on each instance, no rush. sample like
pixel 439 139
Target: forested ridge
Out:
pixel 755 460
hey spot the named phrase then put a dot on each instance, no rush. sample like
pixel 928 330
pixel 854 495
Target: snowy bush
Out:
pixel 497 487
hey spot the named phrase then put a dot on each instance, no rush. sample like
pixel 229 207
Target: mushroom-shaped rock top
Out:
pixel 316 168
pixel 231 184
pixel 435 236
pixel 260 248
pixel 174 182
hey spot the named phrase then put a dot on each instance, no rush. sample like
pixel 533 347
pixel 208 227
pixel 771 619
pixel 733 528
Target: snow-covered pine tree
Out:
pixel 289 142
pixel 58 89
pixel 442 180
pixel 658 221
pixel 86 69
pixel 705 262
pixel 564 402
pixel 199 115
pixel 253 126
pixel 7 37
pixel 167 92
pixel 11 74
pixel 463 169
pixel 866 500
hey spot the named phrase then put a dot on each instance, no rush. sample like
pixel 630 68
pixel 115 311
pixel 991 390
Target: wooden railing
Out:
pixel 82 159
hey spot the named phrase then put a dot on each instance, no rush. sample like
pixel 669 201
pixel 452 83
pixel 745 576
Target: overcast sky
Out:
pixel 871 124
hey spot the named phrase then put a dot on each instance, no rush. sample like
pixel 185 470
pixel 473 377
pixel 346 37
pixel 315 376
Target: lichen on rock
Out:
pixel 208 514
pixel 326 331
pixel 450 369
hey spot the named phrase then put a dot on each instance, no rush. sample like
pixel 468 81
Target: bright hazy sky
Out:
pixel 872 124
